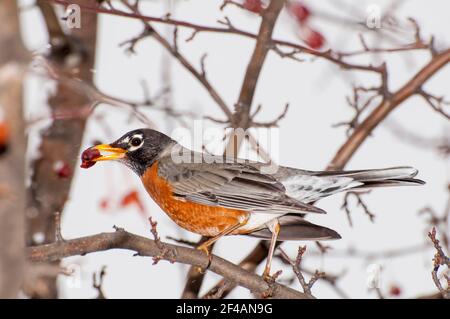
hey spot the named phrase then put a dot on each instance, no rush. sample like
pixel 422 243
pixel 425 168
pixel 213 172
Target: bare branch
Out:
pixel 173 50
pixel 386 106
pixel 440 259
pixel 120 239
pixel 296 266
pixel 333 57
pixel 437 103
pixel 360 202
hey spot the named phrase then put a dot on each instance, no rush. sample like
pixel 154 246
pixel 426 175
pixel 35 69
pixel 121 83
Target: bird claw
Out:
pixel 270 279
pixel 206 251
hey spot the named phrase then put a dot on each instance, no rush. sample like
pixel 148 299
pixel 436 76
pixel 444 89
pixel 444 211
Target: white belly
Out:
pixel 259 220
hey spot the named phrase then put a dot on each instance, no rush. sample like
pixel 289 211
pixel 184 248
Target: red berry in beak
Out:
pixel 88 156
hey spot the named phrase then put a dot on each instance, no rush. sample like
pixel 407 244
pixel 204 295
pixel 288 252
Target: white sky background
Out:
pixel 316 91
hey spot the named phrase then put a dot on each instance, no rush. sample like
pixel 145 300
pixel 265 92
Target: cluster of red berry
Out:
pixel 301 14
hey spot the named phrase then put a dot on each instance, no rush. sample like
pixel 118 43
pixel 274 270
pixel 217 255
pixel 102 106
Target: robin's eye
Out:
pixel 135 141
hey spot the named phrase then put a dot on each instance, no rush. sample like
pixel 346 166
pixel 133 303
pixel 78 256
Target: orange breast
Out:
pixel 201 219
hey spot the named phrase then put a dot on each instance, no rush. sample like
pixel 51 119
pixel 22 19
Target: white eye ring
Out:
pixel 135 142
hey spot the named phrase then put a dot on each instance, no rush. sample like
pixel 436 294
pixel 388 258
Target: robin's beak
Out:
pixel 115 153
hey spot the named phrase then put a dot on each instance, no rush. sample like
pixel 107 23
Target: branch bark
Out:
pixel 121 239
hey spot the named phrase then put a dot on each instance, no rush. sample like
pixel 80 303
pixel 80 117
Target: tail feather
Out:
pixel 391 182
pixel 309 186
pixel 394 176
pixel 375 174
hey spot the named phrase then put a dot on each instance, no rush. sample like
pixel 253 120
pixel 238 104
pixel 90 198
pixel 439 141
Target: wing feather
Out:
pixel 230 185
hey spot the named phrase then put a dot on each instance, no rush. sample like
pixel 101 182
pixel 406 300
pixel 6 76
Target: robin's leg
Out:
pixel 205 246
pixel 274 227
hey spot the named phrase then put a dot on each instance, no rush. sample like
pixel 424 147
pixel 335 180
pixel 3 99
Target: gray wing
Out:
pixel 218 181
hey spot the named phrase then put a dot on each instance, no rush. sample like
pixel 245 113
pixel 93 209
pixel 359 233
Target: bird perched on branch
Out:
pixel 216 196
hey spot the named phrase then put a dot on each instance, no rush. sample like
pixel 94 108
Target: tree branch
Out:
pixel 120 239
pixel 386 106
pixel 173 50
pixel 333 57
pixel 241 117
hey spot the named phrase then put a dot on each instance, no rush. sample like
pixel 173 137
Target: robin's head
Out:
pixel 137 149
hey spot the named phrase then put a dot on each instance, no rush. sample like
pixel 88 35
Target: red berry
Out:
pixel 104 203
pixel 299 11
pixel 313 39
pixel 88 156
pixel 131 198
pixel 62 169
pixel 395 291
pixel 253 6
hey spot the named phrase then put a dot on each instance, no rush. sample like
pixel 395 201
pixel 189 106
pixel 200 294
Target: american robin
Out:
pixel 216 196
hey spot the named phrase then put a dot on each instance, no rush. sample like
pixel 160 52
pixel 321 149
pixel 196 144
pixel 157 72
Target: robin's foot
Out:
pixel 270 279
pixel 205 249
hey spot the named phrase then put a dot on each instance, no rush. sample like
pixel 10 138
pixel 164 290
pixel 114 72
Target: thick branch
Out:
pixel 147 247
pixel 241 117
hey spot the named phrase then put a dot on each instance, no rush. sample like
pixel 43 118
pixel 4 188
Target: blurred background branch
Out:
pixel 13 62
